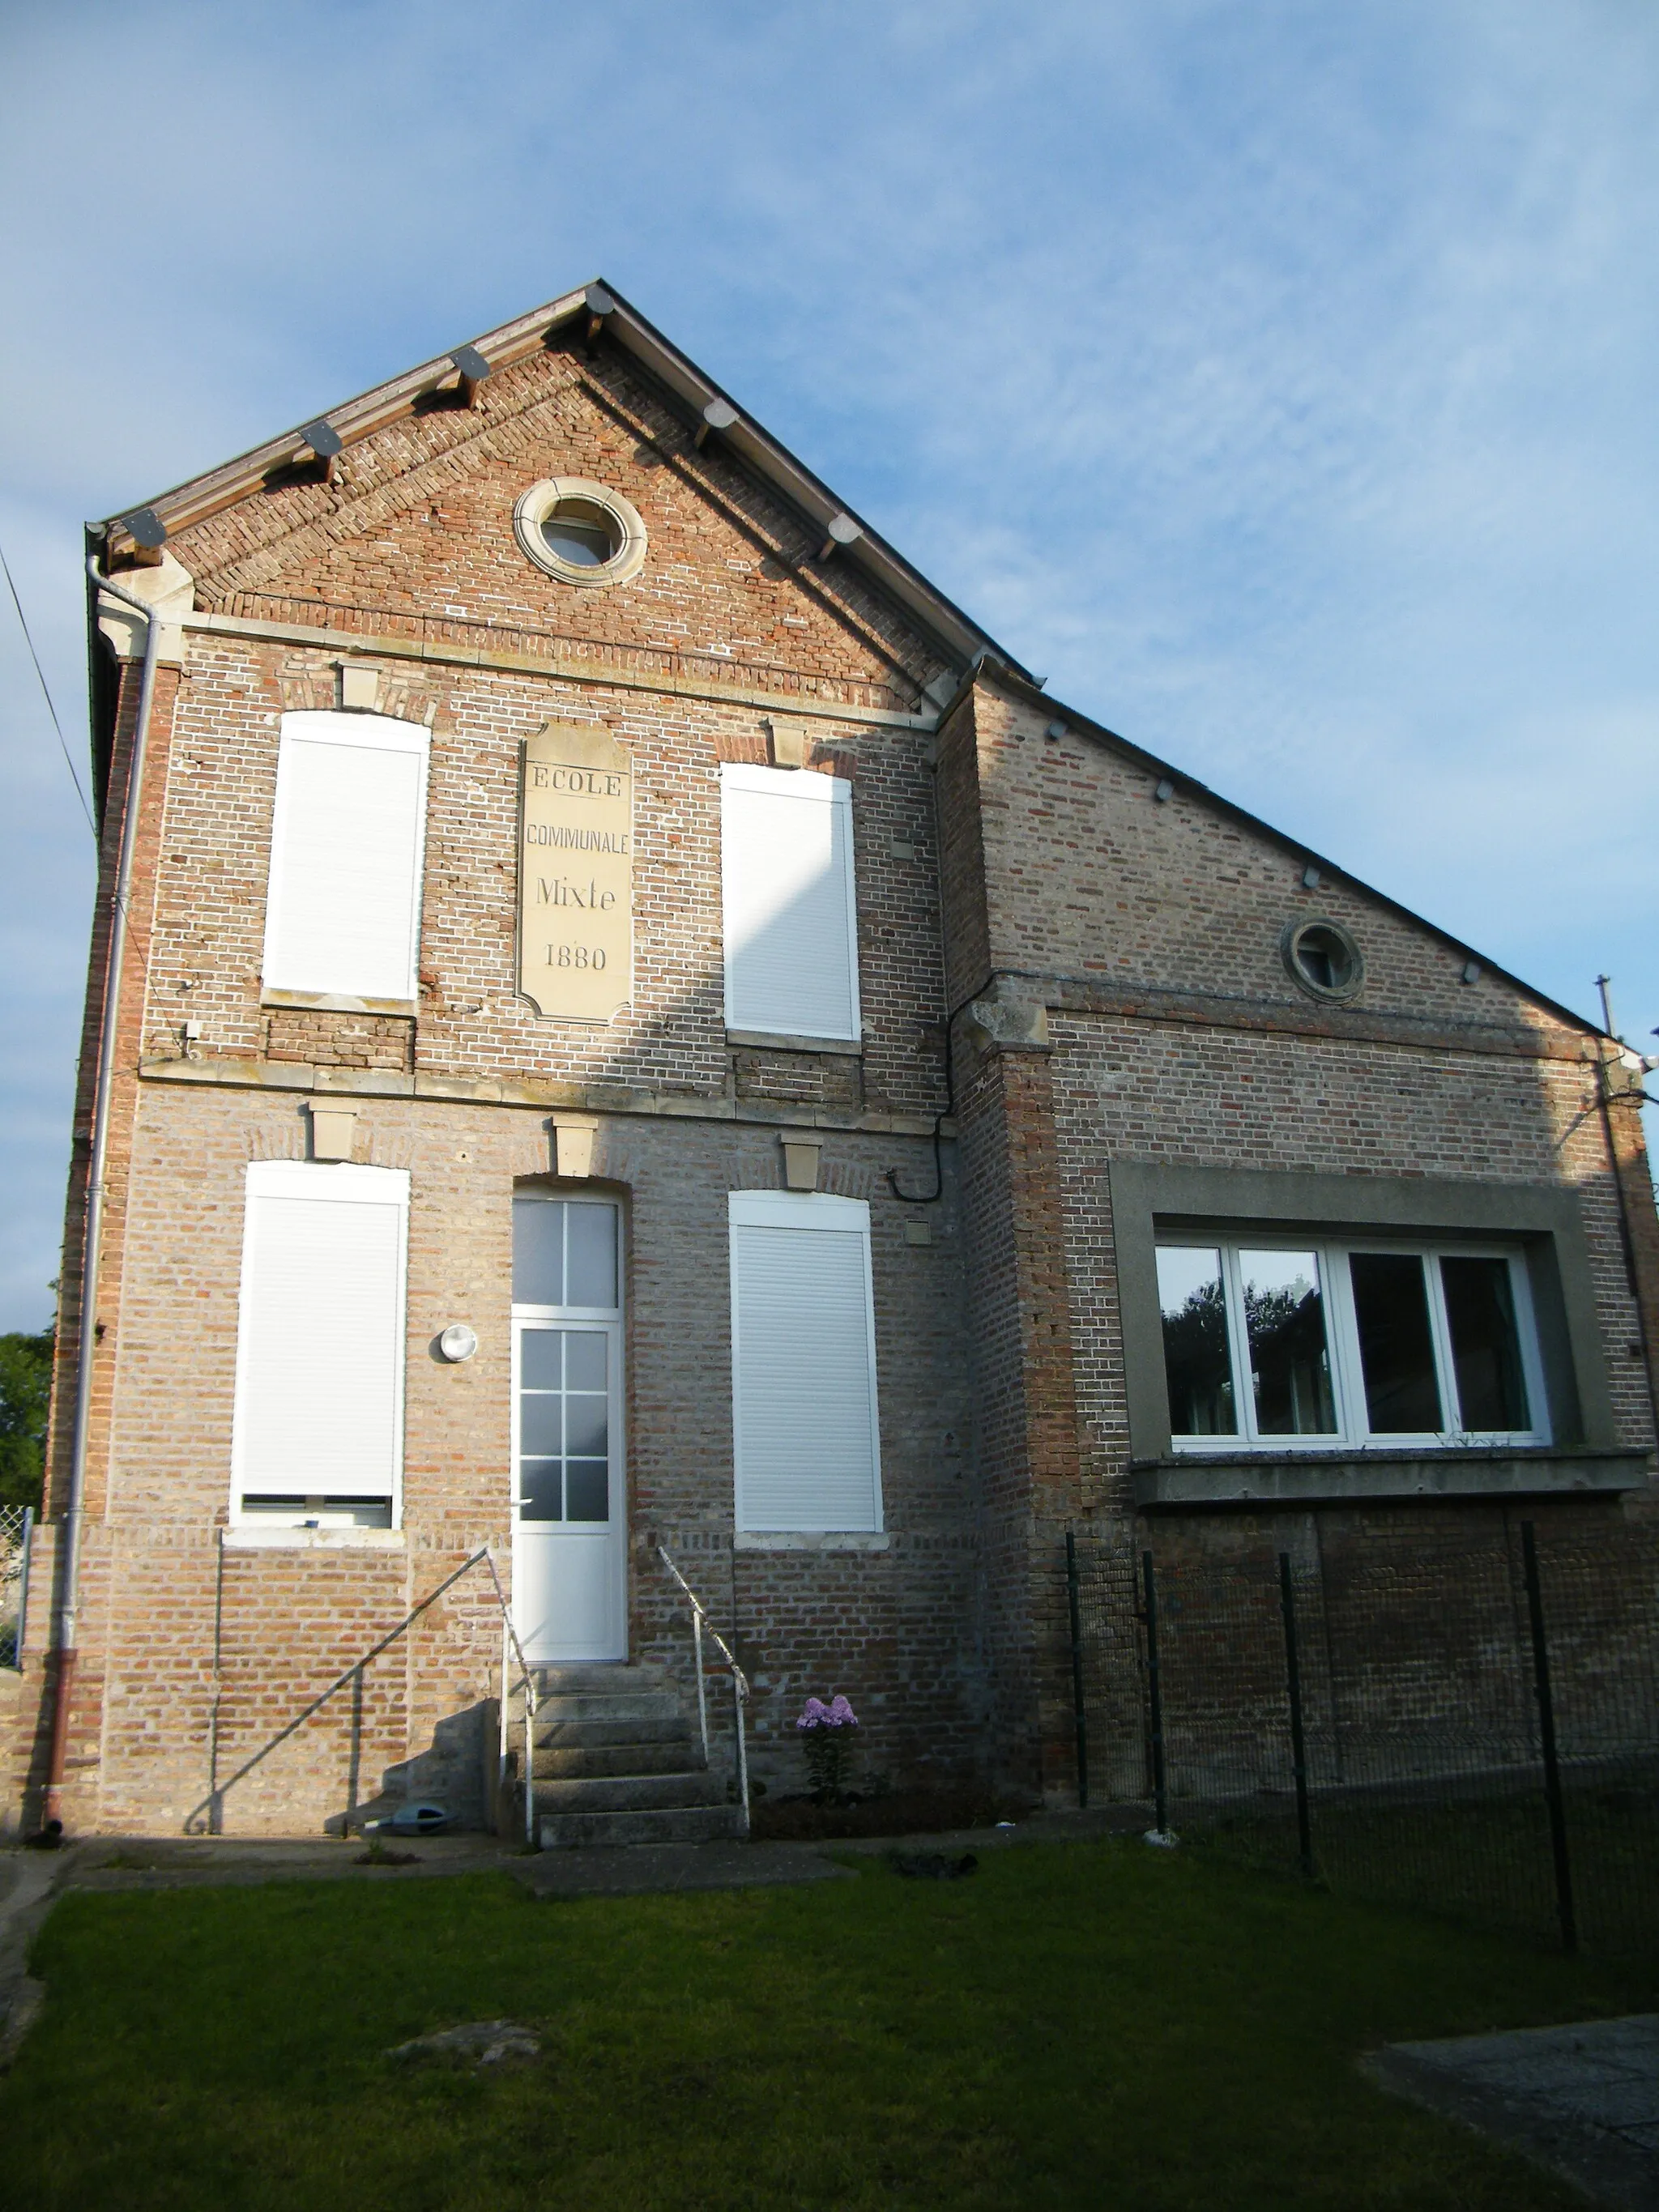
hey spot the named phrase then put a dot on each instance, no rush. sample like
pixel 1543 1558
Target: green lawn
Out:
pixel 1094 2025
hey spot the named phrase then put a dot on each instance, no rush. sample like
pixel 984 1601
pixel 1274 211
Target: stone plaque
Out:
pixel 576 873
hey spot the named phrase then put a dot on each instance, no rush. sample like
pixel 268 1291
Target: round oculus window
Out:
pixel 1323 958
pixel 580 531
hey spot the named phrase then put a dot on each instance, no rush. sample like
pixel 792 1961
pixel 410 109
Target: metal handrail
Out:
pixel 700 1622
pixel 510 1642
pixel 484 1554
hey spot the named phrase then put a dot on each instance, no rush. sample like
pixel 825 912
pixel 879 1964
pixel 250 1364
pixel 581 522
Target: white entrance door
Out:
pixel 569 1560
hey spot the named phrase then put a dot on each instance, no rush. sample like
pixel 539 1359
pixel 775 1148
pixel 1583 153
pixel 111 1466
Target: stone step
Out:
pixel 659 1706
pixel 626 1793
pixel 689 1824
pixel 675 1755
pixel 600 1679
pixel 583 1736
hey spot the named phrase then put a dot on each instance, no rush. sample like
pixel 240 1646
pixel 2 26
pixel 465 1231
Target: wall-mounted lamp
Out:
pixel 1164 789
pixel 1054 732
pixel 457 1342
pixel 1310 877
pixel 1472 971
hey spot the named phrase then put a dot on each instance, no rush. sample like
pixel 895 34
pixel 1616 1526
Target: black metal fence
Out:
pixel 1469 1723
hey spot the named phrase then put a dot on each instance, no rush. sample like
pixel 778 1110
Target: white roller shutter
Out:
pixel 342 914
pixel 319 1346
pixel 805 1434
pixel 792 959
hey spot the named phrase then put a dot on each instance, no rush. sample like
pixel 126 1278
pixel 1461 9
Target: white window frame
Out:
pixel 369 733
pixel 1352 1431
pixel 606 1321
pixel 817 1210
pixel 803 788
pixel 341 1184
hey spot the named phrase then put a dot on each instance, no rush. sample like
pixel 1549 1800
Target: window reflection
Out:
pixel 1396 1346
pixel 1290 1361
pixel 1195 1357
pixel 1492 1389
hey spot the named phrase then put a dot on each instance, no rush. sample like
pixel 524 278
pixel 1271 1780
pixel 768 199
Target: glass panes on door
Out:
pixel 564 1425
pixel 564 1254
pixel 1323 1343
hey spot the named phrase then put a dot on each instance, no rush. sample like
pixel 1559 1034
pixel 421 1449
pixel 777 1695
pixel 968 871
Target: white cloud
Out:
pixel 1275 379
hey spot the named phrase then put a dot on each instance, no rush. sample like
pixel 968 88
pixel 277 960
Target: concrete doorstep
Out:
pixel 1582 2100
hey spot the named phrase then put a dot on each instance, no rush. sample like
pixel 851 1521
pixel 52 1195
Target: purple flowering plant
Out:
pixel 826 1734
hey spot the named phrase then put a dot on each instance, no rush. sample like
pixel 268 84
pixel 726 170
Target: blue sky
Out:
pixel 1278 380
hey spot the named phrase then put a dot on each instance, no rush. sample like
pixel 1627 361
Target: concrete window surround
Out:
pixel 1545 1223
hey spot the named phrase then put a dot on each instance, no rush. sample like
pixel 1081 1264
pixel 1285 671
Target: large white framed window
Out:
pixel 348 844
pixel 318 1437
pixel 790 901
pixel 806 1431
pixel 1303 1344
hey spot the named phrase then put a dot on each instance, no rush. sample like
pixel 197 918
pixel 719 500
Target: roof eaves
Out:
pixel 200 496
pixel 777 465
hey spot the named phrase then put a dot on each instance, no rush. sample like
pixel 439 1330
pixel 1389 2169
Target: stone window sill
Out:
pixel 244 1539
pixel 765 1040
pixel 335 1002
pixel 810 1539
pixel 1192 1478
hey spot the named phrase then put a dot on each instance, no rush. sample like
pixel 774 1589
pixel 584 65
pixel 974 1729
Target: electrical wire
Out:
pixel 46 691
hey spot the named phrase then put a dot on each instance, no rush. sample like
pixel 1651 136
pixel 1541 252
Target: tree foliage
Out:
pixel 25 1389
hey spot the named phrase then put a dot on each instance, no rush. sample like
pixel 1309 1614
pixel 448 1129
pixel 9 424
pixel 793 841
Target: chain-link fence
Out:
pixel 1469 1723
pixel 17 1529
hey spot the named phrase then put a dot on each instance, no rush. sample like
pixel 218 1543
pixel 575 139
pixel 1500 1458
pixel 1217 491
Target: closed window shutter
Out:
pixel 806 1433
pixel 343 914
pixel 791 919
pixel 320 1352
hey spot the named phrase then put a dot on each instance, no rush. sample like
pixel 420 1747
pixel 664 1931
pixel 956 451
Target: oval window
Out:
pixel 580 531
pixel 1323 958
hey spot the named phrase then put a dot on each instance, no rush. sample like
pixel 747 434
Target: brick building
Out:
pixel 621 1022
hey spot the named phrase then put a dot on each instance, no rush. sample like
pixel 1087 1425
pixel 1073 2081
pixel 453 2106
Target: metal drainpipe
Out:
pixel 68 1567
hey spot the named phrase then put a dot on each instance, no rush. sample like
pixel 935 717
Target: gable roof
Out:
pixel 1029 693
pixel 686 387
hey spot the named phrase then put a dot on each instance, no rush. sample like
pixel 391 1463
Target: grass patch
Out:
pixel 1483 1857
pixel 1077 2025
pixel 900 1812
